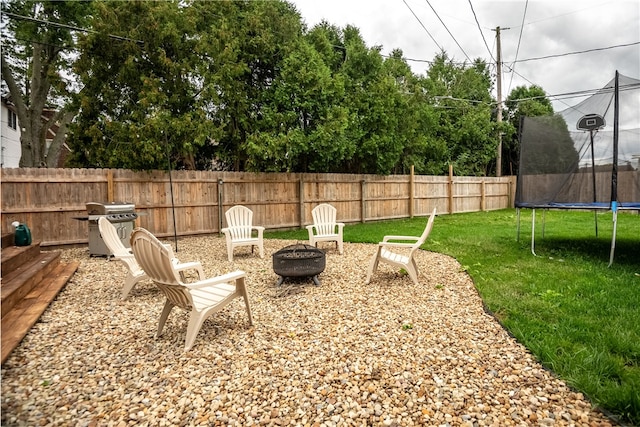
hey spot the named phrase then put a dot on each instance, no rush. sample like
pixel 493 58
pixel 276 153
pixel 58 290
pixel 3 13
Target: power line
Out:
pixel 557 96
pixel 565 14
pixel 425 61
pixel 425 28
pixel 481 33
pixel 68 27
pixel 472 101
pixel 519 40
pixel 581 93
pixel 534 84
pixel 511 68
pixel 577 52
pixel 445 27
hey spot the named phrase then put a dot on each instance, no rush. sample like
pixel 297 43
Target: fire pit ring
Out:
pixel 299 260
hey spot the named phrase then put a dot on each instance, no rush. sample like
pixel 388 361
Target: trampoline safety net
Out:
pixel 562 165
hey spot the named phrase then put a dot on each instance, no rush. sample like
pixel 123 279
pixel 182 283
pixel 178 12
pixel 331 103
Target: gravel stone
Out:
pixel 343 353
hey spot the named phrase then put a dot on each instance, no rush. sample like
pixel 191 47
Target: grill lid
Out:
pixel 123 217
pixel 95 208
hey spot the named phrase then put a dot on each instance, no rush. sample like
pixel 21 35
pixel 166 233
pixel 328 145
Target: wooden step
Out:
pixel 17 322
pixel 19 282
pixel 8 240
pixel 15 256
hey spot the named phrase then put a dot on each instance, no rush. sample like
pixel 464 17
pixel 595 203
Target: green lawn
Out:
pixel 579 317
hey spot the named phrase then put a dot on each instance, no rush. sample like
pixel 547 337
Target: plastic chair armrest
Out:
pixel 225 278
pixel 396 245
pixel 409 238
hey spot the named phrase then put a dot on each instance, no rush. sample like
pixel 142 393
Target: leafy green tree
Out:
pixel 522 102
pixel 372 100
pixel 462 94
pixel 416 120
pixel 303 128
pixel 140 96
pixel 337 106
pixel 189 77
pixel 244 86
pixel 242 46
pixel 328 41
pixel 38 40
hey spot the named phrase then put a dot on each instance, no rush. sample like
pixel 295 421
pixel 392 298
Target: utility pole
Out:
pixel 499 115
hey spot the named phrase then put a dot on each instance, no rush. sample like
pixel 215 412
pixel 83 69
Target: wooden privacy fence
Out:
pixel 49 200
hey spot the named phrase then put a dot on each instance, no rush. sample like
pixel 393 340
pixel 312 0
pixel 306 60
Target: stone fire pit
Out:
pixel 299 260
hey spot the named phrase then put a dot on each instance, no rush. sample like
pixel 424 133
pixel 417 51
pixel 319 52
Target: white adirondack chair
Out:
pixel 240 230
pixel 399 251
pixel 123 254
pixel 201 299
pixel 324 227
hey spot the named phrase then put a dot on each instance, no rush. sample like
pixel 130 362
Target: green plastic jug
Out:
pixel 22 235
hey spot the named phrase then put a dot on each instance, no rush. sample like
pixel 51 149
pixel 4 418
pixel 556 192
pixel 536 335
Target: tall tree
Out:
pixel 416 120
pixel 303 128
pixel 374 102
pixel 242 46
pixel 462 93
pixel 140 98
pixel 328 41
pixel 39 40
pixel 198 81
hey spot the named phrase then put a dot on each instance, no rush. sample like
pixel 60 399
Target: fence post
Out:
pixel 511 186
pixel 220 207
pixel 411 190
pixel 483 200
pixel 362 201
pixel 450 188
pixel 301 198
pixel 110 186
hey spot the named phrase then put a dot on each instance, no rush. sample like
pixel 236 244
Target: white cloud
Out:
pixel 551 28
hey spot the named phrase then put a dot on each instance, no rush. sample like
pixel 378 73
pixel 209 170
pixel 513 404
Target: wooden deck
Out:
pixel 31 280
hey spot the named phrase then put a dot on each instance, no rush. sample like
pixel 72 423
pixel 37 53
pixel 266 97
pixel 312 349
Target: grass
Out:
pixel 578 316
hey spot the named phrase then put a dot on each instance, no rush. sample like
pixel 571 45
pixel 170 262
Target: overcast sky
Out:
pixel 551 27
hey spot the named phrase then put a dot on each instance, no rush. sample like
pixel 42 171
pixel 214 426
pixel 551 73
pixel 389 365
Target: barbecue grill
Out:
pixel 121 215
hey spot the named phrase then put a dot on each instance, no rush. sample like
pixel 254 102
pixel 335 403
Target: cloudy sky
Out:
pixel 557 28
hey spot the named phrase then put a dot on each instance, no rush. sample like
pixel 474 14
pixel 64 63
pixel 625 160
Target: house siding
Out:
pixel 10 150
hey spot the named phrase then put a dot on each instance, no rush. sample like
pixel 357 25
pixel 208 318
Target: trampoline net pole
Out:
pixel 613 239
pixel 533 232
pixel 614 170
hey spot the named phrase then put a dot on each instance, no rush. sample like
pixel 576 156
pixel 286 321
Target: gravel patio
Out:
pixel 341 354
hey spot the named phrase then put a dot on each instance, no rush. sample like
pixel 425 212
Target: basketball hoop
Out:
pixel 591 122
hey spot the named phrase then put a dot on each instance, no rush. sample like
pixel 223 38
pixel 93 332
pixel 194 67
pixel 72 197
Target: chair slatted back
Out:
pixel 156 261
pixel 324 218
pixel 239 222
pixel 426 232
pixel 110 238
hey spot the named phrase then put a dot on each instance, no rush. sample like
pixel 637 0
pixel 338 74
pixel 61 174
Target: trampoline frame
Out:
pixel 614 205
pixel 574 206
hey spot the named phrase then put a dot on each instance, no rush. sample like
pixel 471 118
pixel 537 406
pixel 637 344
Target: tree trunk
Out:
pixel 33 131
pixel 53 153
